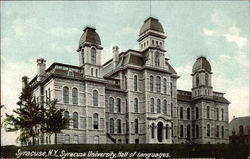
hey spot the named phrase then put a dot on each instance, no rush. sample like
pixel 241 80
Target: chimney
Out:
pixel 115 55
pixel 41 66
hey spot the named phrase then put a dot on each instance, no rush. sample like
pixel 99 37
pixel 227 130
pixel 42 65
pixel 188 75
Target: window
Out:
pixel 96 124
pixel 135 83
pixel 153 42
pixel 181 131
pixel 171 89
pixel 76 139
pixel 167 129
pixel 46 96
pixel 197 79
pixel 222 132
pixel 118 105
pixel 92 71
pixel 66 139
pixel 206 79
pixel 165 107
pixel 75 120
pixel 217 114
pixel 165 85
pixel 74 96
pixel 66 95
pixel 241 130
pixel 197 131
pixel 158 106
pixel 96 139
pixel 96 73
pixel 136 126
pixel 208 112
pixel 153 131
pixel 157 59
pixel 126 103
pixel 111 104
pixel 136 141
pixel 222 114
pixel 125 82
pixel 111 125
pixel 93 55
pixel 158 84
pixel 172 110
pixel 82 56
pixel 217 131
pixel 127 127
pixel 188 113
pixel 119 126
pixel 95 98
pixel 136 105
pixel 208 130
pixel 197 112
pixel 151 82
pixel 152 102
pixel 181 113
pixel 49 94
pixel 66 116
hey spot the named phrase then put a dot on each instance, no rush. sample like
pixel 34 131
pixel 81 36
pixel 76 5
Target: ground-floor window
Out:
pixel 96 139
pixel 66 139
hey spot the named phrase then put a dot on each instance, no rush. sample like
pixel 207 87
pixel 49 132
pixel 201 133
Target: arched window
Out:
pixel 135 83
pixel 217 114
pixel 197 112
pixel 152 103
pixel 153 42
pixel 76 139
pixel 153 131
pixel 93 55
pixel 119 126
pixel 181 131
pixel 158 106
pixel 158 84
pixel 92 71
pixel 96 73
pixel 125 82
pixel 66 95
pixel 157 59
pixel 208 112
pixel 197 131
pixel 222 132
pixel 217 131
pixel 74 96
pixel 222 114
pixel 165 107
pixel 111 105
pixel 165 85
pixel 167 129
pixel 118 105
pixel 181 113
pixel 126 103
pixel 111 125
pixel 83 56
pixel 206 79
pixel 197 79
pixel 208 129
pixel 95 98
pixel 151 83
pixel 136 126
pixel 188 113
pixel 172 110
pixel 66 139
pixel 75 120
pixel 136 105
pixel 96 123
pixel 66 116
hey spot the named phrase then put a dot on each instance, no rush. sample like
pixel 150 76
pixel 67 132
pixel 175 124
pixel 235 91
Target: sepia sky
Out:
pixel 218 30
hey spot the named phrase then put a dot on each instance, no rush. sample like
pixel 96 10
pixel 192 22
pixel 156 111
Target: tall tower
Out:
pixel 152 38
pixel 90 52
pixel 202 78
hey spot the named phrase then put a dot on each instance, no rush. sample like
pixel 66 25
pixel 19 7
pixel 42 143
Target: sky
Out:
pixel 51 30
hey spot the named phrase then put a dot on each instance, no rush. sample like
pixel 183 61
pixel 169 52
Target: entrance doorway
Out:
pixel 159 131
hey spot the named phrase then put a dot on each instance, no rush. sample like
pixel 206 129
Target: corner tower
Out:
pixel 202 78
pixel 90 52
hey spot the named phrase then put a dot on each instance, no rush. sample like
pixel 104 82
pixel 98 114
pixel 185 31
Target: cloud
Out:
pixel 208 32
pixel 233 36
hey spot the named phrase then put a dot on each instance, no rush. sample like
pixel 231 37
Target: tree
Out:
pixel 27 117
pixel 54 121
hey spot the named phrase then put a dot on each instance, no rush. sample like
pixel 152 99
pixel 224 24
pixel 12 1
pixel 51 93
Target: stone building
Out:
pixel 133 97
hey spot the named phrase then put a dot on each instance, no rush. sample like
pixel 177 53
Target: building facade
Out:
pixel 133 97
